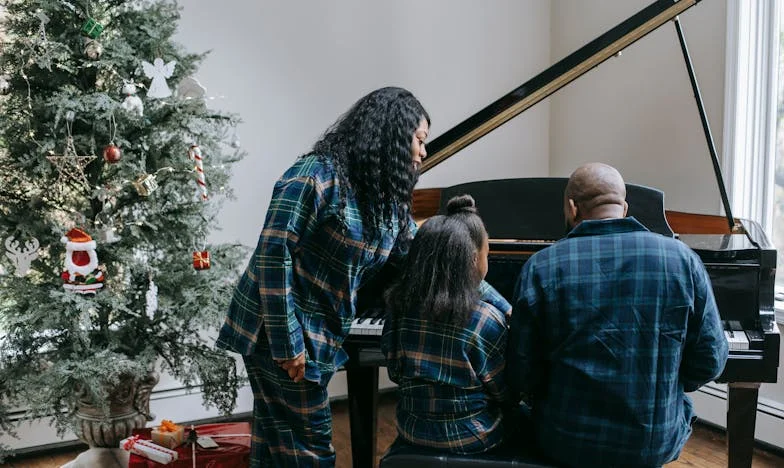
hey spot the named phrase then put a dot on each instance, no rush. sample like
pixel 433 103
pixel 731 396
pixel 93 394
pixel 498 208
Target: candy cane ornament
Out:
pixel 194 153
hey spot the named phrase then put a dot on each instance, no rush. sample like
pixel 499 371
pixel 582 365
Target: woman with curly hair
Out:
pixel 445 338
pixel 335 218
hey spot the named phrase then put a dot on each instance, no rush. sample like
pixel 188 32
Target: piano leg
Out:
pixel 741 419
pixel 363 405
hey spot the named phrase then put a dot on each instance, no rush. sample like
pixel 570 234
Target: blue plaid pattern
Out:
pixel 292 422
pixel 298 294
pixel 451 378
pixel 610 326
pixel 299 290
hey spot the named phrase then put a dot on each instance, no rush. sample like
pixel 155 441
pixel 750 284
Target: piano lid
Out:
pixel 532 208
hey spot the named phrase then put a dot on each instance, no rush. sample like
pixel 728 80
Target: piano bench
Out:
pixel 404 455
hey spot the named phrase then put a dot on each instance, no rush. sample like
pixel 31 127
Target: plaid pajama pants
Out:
pixel 292 422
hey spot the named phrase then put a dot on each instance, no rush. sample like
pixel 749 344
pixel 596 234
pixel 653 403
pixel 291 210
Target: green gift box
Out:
pixel 92 28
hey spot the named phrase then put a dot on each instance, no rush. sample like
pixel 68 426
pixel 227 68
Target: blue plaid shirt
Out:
pixel 451 377
pixel 610 327
pixel 299 290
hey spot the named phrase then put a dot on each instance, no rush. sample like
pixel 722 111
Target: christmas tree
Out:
pixel 112 171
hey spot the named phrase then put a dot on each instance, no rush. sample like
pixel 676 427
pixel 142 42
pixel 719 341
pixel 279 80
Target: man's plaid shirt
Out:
pixel 610 326
pixel 451 377
pixel 299 290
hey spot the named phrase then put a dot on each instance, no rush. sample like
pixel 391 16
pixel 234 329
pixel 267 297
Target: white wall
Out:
pixel 637 112
pixel 290 68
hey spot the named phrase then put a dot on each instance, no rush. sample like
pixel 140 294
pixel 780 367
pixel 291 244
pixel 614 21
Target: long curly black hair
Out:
pixel 370 148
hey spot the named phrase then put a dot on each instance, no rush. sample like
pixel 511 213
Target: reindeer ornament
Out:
pixel 21 257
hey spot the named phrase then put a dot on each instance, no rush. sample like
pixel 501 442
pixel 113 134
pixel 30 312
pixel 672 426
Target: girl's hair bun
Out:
pixel 461 204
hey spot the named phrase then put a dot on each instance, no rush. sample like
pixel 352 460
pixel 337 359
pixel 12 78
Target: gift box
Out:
pixel 168 434
pixel 92 28
pixel 201 260
pixel 233 449
pixel 147 450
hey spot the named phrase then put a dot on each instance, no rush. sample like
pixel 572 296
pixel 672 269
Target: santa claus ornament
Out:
pixel 82 273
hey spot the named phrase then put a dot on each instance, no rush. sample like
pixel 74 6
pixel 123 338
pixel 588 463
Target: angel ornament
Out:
pixel 158 71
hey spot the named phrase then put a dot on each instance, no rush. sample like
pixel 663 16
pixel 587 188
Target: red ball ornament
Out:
pixel 112 154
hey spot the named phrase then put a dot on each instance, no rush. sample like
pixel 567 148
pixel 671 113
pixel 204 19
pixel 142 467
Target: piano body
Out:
pixel 739 258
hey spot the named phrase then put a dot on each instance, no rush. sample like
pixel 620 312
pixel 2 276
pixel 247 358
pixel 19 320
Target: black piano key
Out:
pixel 756 339
pixel 361 316
pixel 368 315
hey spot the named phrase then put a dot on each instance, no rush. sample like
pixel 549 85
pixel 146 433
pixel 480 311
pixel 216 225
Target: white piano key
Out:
pixel 737 340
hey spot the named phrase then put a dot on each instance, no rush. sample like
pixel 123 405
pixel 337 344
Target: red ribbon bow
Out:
pixel 128 445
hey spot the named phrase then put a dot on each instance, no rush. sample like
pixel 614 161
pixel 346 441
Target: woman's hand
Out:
pixel 295 367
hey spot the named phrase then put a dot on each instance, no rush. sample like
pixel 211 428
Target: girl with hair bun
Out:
pixel 445 337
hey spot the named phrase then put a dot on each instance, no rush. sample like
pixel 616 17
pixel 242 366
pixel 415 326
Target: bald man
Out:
pixel 611 326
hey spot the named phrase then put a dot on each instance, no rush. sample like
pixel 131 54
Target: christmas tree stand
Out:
pixel 129 409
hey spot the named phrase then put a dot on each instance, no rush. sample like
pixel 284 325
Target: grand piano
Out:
pixel 738 256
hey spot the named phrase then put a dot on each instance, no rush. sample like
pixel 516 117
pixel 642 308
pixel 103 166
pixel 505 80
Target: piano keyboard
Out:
pixel 371 323
pixel 368 323
pixel 740 339
pixel 737 340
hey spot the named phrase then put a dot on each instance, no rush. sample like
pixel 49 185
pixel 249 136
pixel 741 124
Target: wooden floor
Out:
pixel 706 447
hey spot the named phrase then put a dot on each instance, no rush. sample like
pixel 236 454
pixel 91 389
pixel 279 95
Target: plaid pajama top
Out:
pixel 299 290
pixel 451 377
pixel 610 326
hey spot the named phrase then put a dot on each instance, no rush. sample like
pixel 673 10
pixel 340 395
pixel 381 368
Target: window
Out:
pixel 752 116
pixel 777 228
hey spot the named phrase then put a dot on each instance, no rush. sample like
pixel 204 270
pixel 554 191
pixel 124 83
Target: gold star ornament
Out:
pixel 71 166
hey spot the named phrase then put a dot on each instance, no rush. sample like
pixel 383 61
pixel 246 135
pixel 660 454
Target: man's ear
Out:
pixel 625 208
pixel 572 212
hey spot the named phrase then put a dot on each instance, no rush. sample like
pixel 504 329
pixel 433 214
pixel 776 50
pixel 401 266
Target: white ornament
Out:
pixel 42 27
pixel 158 71
pixel 5 85
pixel 190 88
pixel 104 223
pixel 92 48
pixel 132 102
pixel 152 300
pixel 21 258
pixel 137 5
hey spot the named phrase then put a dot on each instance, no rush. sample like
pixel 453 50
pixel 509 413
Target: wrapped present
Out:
pixel 92 28
pixel 149 450
pixel 168 434
pixel 145 184
pixel 233 450
pixel 201 260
